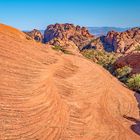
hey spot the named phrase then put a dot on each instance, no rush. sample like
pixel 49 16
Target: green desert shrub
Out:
pixel 137 48
pixel 107 60
pixel 103 58
pixel 123 73
pixel 59 48
pixel 134 82
pixel 28 37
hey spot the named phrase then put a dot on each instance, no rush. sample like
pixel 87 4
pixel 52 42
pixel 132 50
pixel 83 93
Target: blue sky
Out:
pixel 29 14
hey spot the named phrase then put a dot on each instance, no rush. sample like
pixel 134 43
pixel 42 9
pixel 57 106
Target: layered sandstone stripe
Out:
pixel 46 95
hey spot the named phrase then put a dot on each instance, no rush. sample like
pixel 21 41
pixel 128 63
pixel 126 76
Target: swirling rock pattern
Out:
pixel 46 95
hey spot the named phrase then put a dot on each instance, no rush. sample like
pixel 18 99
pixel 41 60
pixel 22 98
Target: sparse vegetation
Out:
pixel 103 58
pixel 137 48
pixel 107 60
pixel 123 73
pixel 28 37
pixel 134 82
pixel 59 48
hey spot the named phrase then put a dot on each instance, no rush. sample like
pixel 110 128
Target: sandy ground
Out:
pixel 46 95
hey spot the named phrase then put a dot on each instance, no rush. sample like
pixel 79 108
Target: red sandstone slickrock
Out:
pixel 47 95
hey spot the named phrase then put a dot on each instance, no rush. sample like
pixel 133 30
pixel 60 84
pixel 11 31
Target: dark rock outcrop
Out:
pixel 131 60
pixel 100 45
pixel 36 35
pixel 95 44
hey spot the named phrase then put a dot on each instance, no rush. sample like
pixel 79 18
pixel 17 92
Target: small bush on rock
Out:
pixel 137 48
pixel 123 73
pixel 59 48
pixel 134 82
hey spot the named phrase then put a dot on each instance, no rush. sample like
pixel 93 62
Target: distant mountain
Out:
pixel 98 31
pixel 42 31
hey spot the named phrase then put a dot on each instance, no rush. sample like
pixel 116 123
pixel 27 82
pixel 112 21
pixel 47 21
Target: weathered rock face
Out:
pixel 123 42
pixel 48 96
pixel 131 60
pixel 119 42
pixel 67 33
pixel 96 43
pixel 36 35
pixel 100 44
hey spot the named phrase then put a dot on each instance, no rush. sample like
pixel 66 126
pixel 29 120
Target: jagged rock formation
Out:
pixel 119 42
pixel 72 37
pixel 102 31
pixel 97 43
pixel 36 35
pixel 124 42
pixel 64 34
pixel 131 60
pixel 46 95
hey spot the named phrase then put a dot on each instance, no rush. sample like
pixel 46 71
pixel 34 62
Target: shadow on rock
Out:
pixel 135 127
